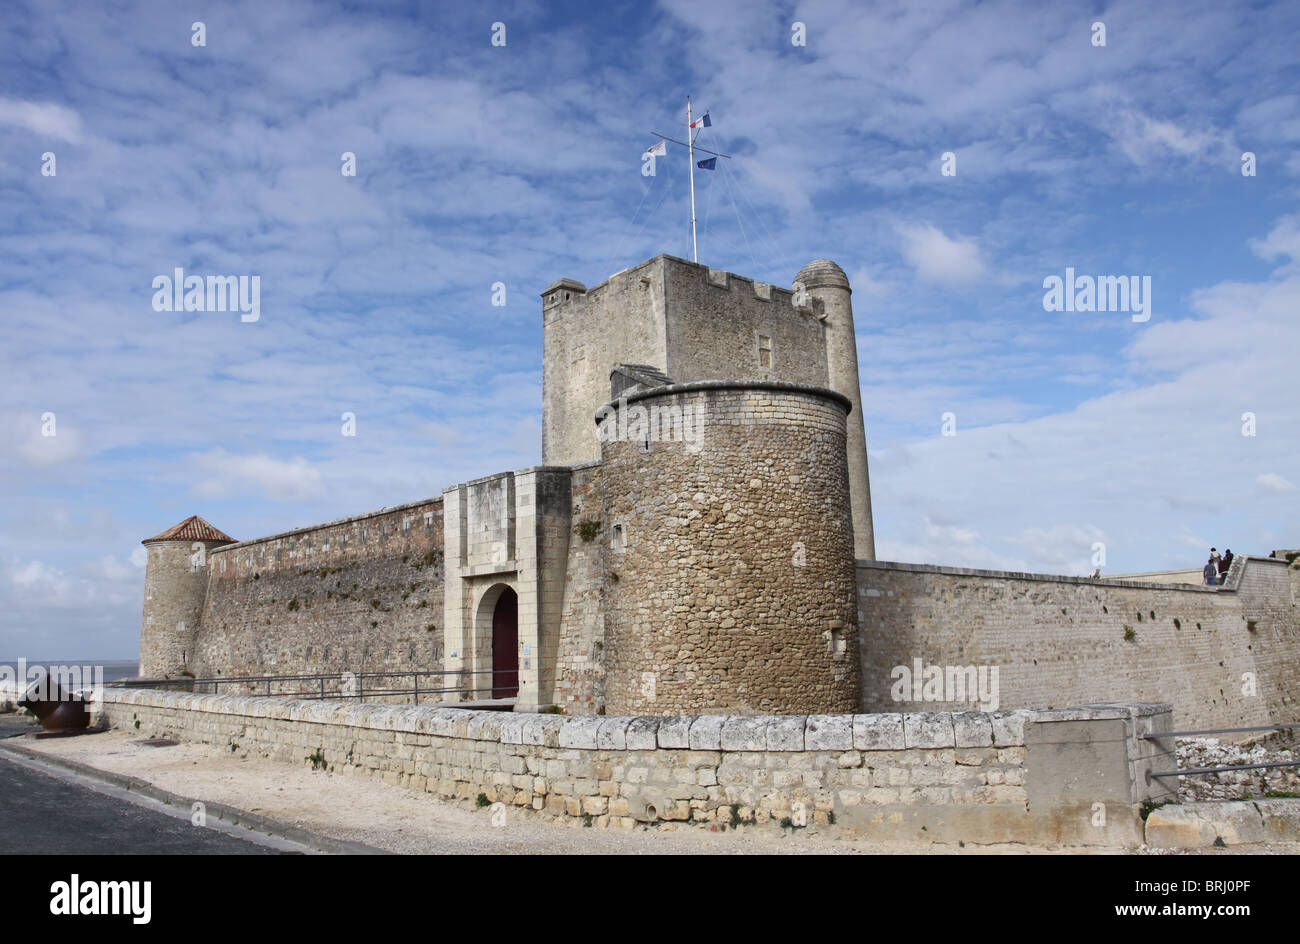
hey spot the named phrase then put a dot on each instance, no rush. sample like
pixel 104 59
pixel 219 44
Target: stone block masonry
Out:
pixel 1073 776
pixel 1224 656
pixel 363 594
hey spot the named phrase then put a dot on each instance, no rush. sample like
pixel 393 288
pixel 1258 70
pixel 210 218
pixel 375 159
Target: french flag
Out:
pixel 701 122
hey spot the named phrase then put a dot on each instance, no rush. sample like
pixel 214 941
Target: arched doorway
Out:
pixel 505 645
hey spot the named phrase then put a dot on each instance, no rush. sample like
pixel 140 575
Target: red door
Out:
pixel 505 646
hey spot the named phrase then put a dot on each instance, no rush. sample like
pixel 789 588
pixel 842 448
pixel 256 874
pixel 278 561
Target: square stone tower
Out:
pixel 696 323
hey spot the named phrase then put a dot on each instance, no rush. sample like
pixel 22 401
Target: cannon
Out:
pixel 59 711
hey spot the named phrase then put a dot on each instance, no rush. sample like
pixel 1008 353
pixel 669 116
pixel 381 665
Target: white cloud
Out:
pixel 26 437
pixel 37 575
pixel 1146 140
pixel 43 118
pixel 1282 241
pixel 1272 482
pixel 938 257
pixel 221 474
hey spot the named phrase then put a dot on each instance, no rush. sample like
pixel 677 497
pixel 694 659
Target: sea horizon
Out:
pixel 114 669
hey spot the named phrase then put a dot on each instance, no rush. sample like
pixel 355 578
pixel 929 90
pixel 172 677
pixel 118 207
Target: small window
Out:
pixel 839 644
pixel 764 351
pixel 617 537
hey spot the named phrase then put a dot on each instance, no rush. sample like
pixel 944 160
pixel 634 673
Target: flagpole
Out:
pixel 690 151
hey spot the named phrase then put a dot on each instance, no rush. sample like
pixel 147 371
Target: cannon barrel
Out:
pixel 58 710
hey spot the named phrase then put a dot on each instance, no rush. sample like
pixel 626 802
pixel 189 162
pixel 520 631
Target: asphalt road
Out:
pixel 44 814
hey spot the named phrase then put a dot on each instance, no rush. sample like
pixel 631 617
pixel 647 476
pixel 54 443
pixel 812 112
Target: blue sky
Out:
pixel 521 164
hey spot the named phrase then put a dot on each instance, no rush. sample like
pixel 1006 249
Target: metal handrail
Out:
pixel 1266 727
pixel 358 677
pixel 1220 770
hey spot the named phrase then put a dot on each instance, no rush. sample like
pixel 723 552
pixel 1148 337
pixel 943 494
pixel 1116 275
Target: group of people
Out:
pixel 1216 568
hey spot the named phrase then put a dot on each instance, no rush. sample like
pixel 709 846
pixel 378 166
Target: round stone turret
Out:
pixel 822 273
pixel 828 288
pixel 729 568
pixel 175 584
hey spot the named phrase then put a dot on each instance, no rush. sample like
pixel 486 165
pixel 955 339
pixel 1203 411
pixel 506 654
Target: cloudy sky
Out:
pixel 520 163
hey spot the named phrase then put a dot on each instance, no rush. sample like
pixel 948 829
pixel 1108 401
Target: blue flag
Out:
pixel 709 164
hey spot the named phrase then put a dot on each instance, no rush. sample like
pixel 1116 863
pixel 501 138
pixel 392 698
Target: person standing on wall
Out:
pixel 1225 564
pixel 1209 572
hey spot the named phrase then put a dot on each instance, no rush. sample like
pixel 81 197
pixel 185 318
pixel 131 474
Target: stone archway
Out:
pixel 498 633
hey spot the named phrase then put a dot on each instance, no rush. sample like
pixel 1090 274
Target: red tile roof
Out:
pixel 192 528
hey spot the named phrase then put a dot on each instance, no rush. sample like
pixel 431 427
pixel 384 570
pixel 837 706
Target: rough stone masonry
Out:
pixel 732 573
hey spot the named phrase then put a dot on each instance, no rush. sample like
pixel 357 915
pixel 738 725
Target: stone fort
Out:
pixel 698 539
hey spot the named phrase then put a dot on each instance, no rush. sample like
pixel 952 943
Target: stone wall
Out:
pixel 1267 594
pixel 587 332
pixel 731 577
pixel 358 594
pixel 1065 640
pixel 176 582
pixel 714 320
pixel 980 778
pixel 681 317
pixel 580 648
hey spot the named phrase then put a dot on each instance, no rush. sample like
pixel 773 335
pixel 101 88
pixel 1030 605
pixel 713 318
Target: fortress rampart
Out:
pixel 719 559
pixel 362 593
pixel 731 579
pixel 1225 656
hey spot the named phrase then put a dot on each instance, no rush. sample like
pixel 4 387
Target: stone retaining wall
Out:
pixel 973 776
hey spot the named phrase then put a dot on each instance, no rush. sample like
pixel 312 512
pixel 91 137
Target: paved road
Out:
pixel 40 813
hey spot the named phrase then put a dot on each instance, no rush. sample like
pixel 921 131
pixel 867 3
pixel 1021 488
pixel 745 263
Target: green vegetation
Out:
pixel 294 605
pixel 317 759
pixel 587 529
pixel 1129 634
pixel 481 801
pixel 429 559
pixel 736 818
pixel 1149 805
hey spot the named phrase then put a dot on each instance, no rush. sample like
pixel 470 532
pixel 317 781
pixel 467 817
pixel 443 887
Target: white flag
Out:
pixel 658 150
